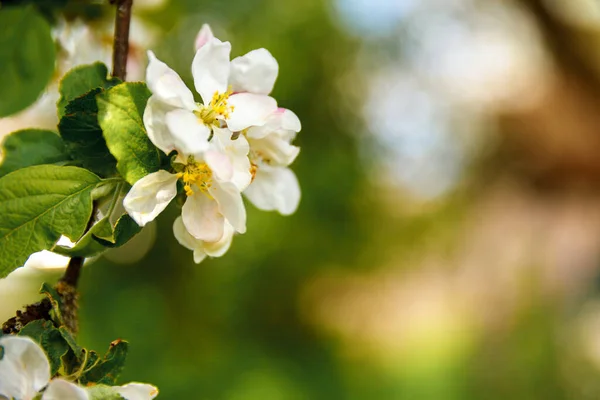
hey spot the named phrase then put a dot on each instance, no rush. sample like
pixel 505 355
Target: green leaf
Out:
pixel 83 137
pixel 107 370
pixel 37 205
pixel 32 147
pixel 81 80
pixel 125 229
pixel 51 340
pixel 120 111
pixel 27 57
pixel 103 392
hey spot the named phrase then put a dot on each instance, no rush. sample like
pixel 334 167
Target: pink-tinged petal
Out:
pixel 190 135
pixel 166 84
pixel 249 110
pixel 217 249
pixel 231 205
pixel 24 368
pixel 210 68
pixel 204 35
pixel 137 391
pixel 274 189
pixel 150 196
pixel 156 126
pixel 60 389
pixel 201 217
pixel 219 164
pixel 289 120
pixel 254 72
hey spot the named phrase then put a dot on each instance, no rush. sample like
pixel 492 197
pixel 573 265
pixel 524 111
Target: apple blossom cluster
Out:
pixel 25 372
pixel 236 141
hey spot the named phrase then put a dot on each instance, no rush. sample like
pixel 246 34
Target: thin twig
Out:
pixel 121 43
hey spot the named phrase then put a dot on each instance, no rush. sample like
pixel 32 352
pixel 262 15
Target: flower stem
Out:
pixel 121 43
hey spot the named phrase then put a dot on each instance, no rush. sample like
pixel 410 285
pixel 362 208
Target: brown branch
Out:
pixel 121 43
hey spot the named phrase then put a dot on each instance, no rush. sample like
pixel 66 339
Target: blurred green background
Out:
pixel 447 245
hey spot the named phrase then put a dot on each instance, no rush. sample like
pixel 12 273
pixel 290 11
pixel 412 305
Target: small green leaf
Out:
pixel 103 392
pixel 27 57
pixel 109 368
pixel 120 111
pixel 37 205
pixel 81 80
pixel 32 147
pixel 83 137
pixel 125 229
pixel 51 340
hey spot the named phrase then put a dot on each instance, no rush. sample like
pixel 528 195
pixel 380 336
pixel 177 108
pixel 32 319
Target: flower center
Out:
pixel 216 109
pixel 195 173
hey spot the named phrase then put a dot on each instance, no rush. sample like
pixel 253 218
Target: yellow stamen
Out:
pixel 195 173
pixel 253 169
pixel 218 107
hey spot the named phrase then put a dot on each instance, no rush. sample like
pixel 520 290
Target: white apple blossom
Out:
pixel 274 187
pixel 210 180
pixel 25 372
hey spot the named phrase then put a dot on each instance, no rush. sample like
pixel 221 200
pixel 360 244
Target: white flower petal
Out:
pixel 231 205
pixel 183 236
pixel 237 152
pixel 22 286
pixel 254 72
pixel 199 256
pixel 166 84
pixel 289 122
pixel 156 125
pixel 204 35
pixel 217 249
pixel 190 135
pixel 60 389
pixel 249 110
pixel 219 164
pixel 283 122
pixel 274 189
pixel 24 368
pixel 201 248
pixel 150 196
pixel 201 217
pixel 211 68
pixel 137 391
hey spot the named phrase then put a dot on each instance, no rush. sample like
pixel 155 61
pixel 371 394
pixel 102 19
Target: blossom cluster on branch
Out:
pixel 236 141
